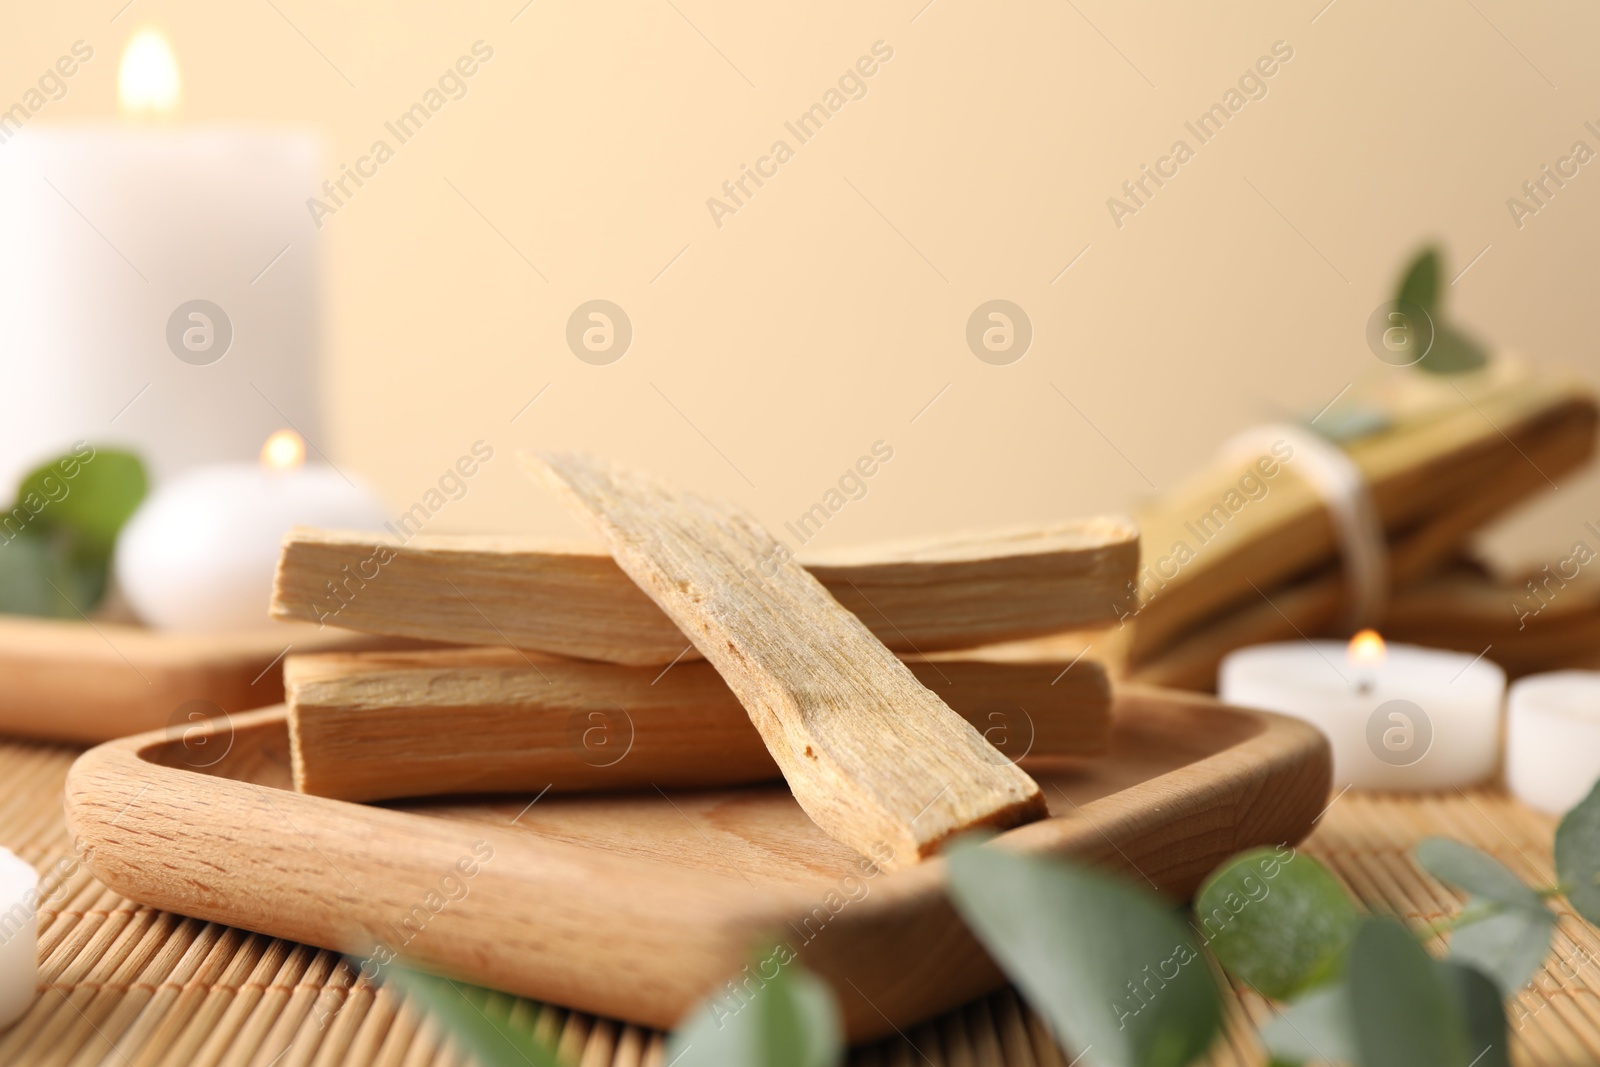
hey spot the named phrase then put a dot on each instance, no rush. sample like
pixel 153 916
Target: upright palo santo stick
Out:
pixel 872 756
pixel 491 720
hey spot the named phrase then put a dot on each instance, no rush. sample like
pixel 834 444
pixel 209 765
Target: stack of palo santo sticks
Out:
pixel 692 650
pixel 1247 551
pixel 903 691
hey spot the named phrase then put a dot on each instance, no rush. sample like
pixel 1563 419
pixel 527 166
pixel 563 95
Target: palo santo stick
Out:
pixel 1414 470
pixel 1313 604
pixel 945 593
pixel 1540 622
pixel 878 762
pixel 375 727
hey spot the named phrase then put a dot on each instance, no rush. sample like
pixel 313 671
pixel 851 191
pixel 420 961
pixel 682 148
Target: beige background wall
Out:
pixel 826 313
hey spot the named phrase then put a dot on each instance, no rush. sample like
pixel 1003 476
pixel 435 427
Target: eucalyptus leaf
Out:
pixel 36 579
pixel 786 1020
pixel 1452 351
pixel 1420 285
pixel 1352 423
pixel 1476 872
pixel 1115 972
pixel 1281 925
pixel 1504 929
pixel 89 492
pixel 478 1019
pixel 1507 946
pixel 1406 1012
pixel 1578 856
pixel 1484 1012
pixel 1317 1028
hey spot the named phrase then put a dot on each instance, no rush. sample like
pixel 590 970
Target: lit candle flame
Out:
pixel 285 450
pixel 147 79
pixel 1367 650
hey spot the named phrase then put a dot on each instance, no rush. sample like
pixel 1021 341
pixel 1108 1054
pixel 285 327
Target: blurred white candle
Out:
pixel 19 937
pixel 200 552
pixel 1398 717
pixel 112 228
pixel 1553 739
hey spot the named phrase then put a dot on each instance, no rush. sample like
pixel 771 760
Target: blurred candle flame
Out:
pixel 1367 649
pixel 285 450
pixel 147 79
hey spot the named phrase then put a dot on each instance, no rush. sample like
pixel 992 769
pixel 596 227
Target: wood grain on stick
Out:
pixel 494 720
pixel 919 596
pixel 872 756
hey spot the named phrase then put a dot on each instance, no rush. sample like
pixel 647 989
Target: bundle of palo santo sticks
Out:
pixel 692 650
pixel 1248 552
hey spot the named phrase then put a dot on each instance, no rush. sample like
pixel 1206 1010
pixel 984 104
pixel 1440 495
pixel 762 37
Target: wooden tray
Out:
pixel 637 905
pixel 89 682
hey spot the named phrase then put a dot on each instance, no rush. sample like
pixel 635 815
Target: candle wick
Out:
pixel 1364 686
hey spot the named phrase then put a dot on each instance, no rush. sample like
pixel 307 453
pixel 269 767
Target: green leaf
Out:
pixel 1452 351
pixel 787 1020
pixel 1316 1028
pixel 1321 1026
pixel 1114 971
pixel 1476 872
pixel 1406 1012
pixel 1281 925
pixel 1578 856
pixel 56 540
pixel 36 579
pixel 1484 1012
pixel 1507 946
pixel 1420 284
pixel 1352 423
pixel 89 493
pixel 478 1019
pixel 1504 929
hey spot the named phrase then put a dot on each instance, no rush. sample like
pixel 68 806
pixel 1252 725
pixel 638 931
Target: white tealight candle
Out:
pixel 1553 739
pixel 19 937
pixel 199 554
pixel 1400 717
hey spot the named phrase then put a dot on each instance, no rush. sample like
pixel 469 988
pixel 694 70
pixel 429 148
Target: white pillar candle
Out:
pixel 19 937
pixel 200 552
pixel 1553 739
pixel 111 231
pixel 1397 718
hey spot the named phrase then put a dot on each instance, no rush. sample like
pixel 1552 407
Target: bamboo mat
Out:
pixel 127 986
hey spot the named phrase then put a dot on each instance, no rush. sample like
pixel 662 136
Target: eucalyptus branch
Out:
pixel 1485 909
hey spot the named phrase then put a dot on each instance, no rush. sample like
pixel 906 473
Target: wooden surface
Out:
pixel 940 593
pixel 123 984
pixel 876 760
pixel 635 905
pixel 377 725
pixel 92 681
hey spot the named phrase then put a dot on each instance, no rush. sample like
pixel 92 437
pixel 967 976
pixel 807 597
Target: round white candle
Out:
pixel 1414 719
pixel 109 230
pixel 19 937
pixel 200 552
pixel 1553 739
